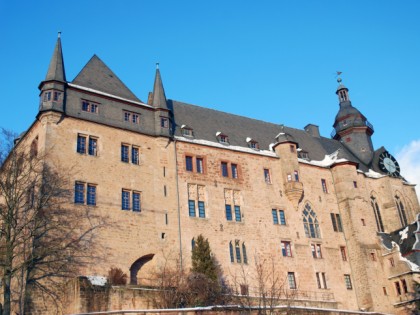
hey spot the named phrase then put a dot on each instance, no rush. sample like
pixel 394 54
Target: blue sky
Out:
pixel 271 60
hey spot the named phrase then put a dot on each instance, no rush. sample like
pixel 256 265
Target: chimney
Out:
pixel 313 130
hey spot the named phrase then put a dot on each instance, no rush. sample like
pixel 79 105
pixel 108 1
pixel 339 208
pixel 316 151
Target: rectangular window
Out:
pixel 318 280
pixel 292 149
pixel 57 96
pixel 234 168
pixel 85 193
pixel 191 208
pixel 93 146
pixel 125 200
pixel 347 281
pixel 135 155
pixel 324 280
pixel 164 122
pixel 224 166
pixel 136 201
pixel 237 213
pixel 91 195
pixel 397 287
pixel 244 289
pixel 296 173
pixel 89 107
pixel 282 217
pixel 223 139
pixel 199 163
pixel 286 249
pixel 201 209
pixel 324 186
pixel 238 252
pixel 228 209
pixel 354 184
pixel 79 193
pixel 292 280
pixel 135 119
pixel 404 286
pixel 316 250
pixel 275 217
pixel 81 144
pixel 124 153
pixel 321 280
pixel 343 253
pixel 267 176
pixel 189 163
pixel 130 200
pixel 336 222
pixel 127 116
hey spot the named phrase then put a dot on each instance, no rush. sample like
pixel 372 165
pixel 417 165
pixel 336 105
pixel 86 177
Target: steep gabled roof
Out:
pixel 96 75
pixel 207 122
pixel 56 68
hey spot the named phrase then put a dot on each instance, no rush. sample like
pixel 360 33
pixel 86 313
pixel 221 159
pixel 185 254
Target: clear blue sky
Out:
pixel 271 60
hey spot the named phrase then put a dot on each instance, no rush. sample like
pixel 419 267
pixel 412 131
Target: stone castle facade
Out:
pixel 335 215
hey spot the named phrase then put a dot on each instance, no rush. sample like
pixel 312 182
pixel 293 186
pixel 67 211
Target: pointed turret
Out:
pixel 163 114
pixel 56 69
pixel 352 128
pixel 158 98
pixel 53 87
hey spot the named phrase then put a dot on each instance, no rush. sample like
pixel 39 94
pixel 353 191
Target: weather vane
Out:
pixel 338 73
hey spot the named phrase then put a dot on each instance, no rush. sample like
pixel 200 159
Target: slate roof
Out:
pixel 96 75
pixel 207 122
pixel 56 67
pixel 408 240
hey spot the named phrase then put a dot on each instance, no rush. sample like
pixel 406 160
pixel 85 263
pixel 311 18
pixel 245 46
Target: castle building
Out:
pixel 335 215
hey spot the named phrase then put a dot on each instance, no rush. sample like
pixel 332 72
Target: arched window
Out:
pixel 377 212
pixel 232 258
pixel 310 222
pixel 401 211
pixel 34 148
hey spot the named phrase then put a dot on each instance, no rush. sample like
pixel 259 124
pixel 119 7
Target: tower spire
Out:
pixel 159 98
pixel 352 128
pixel 56 68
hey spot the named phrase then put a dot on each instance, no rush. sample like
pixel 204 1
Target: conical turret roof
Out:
pixel 159 98
pixel 56 68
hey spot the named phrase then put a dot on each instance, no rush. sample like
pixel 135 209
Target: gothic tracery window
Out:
pixel 310 222
pixel 377 212
pixel 401 211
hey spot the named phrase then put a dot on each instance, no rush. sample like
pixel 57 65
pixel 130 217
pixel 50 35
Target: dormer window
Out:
pixel 186 131
pixel 252 143
pixel 303 155
pixel 222 138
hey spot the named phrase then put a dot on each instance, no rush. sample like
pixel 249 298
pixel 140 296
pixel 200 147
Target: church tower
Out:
pixel 352 128
pixel 53 87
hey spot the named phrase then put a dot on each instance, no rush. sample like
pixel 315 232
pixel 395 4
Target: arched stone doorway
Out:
pixel 136 266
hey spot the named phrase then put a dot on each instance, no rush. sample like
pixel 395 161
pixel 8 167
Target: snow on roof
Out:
pixel 97 280
pixel 411 265
pixel 326 162
pixel 231 147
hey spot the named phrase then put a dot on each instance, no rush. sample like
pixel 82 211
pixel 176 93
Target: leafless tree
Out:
pixel 262 285
pixel 42 240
